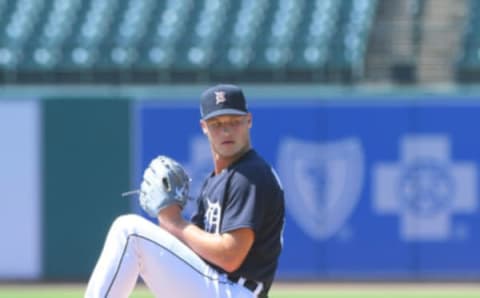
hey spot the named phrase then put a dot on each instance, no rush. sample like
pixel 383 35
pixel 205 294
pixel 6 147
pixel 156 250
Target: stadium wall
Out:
pixel 380 185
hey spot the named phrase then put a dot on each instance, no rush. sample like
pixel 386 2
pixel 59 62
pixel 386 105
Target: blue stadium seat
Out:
pixel 347 53
pixel 160 46
pixel 213 38
pixel 18 28
pixel 275 50
pixel 312 48
pixel 198 46
pixel 236 48
pixel 467 64
pixel 124 46
pixel 46 50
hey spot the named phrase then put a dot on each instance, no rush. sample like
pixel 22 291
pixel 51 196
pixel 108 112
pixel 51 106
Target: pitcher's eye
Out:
pixel 215 125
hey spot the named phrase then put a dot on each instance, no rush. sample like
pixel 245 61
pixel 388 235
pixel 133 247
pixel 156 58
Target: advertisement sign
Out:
pixel 373 189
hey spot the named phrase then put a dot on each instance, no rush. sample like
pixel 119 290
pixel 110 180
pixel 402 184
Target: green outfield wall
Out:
pixel 86 156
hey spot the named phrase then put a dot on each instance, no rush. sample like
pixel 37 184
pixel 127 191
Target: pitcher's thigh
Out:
pixel 171 269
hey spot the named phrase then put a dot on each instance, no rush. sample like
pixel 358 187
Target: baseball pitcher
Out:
pixel 231 246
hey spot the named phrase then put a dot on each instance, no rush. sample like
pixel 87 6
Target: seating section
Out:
pixel 468 64
pixel 184 40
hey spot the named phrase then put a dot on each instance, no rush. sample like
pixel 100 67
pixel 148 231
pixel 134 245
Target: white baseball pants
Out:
pixel 137 247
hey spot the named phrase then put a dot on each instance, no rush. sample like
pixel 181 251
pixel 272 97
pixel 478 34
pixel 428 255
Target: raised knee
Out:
pixel 128 218
pixel 127 222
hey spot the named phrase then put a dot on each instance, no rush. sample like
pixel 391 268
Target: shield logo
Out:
pixel 322 183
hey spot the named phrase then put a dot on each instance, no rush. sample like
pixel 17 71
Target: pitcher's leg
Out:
pixel 168 267
pixel 171 269
pixel 117 269
pixel 135 246
pixel 169 272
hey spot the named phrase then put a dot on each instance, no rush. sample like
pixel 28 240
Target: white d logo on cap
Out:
pixel 220 97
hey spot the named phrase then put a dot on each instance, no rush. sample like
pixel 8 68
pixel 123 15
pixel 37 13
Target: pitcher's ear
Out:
pixel 203 125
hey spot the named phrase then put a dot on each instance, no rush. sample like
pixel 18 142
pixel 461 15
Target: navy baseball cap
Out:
pixel 222 99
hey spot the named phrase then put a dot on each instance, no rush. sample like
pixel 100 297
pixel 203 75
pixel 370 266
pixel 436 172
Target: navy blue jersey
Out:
pixel 247 194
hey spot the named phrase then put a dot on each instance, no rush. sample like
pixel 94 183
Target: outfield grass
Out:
pixel 291 291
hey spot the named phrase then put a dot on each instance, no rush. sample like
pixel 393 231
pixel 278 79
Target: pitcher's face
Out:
pixel 229 135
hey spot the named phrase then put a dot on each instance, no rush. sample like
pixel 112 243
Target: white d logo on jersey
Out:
pixel 212 217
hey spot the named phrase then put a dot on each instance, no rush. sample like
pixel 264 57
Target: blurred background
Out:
pixel 367 109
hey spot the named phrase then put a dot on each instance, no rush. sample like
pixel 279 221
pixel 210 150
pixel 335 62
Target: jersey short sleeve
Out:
pixel 243 207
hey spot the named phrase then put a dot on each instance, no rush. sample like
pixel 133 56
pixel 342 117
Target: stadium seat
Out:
pixel 347 52
pixel 235 50
pixel 19 24
pixel 276 40
pixel 312 48
pixel 274 51
pixel 467 64
pixel 198 46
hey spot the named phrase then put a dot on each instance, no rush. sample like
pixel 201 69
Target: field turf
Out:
pixel 339 290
